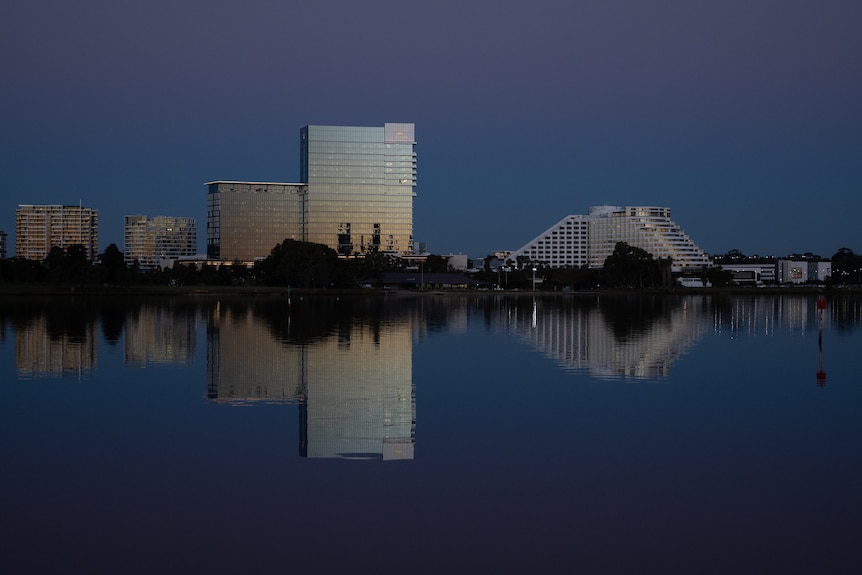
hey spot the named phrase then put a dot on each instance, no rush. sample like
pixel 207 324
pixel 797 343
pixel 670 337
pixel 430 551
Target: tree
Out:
pixel 362 271
pixel 55 265
pixel 846 267
pixel 630 266
pixel 68 265
pixel 437 264
pixel 299 264
pixel 718 276
pixel 113 265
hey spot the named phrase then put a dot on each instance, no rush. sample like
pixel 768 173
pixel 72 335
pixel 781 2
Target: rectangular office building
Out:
pixel 360 187
pixel 245 220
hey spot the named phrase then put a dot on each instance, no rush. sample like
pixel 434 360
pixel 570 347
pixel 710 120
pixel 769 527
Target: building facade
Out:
pixel 355 196
pixel 245 220
pixel 2 245
pixel 565 244
pixel 587 240
pixel 760 273
pixel 820 270
pixel 360 187
pixel 150 241
pixel 39 228
pixel 799 271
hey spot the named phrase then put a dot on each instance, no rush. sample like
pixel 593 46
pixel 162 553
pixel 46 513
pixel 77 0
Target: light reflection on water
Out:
pixel 492 414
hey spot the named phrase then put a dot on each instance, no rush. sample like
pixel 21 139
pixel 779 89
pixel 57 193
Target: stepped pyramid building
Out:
pixel 587 240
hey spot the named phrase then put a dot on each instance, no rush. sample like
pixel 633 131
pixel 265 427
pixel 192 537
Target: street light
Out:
pixel 534 279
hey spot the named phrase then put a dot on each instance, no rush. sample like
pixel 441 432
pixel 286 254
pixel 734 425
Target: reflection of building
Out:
pixel 39 353
pixel 245 364
pixel 582 339
pixel 159 334
pixel 150 240
pixel 39 228
pixel 361 400
pixel 355 388
pixel 580 240
pixel 355 196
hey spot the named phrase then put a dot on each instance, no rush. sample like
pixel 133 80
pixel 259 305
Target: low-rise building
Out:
pixel 759 273
pixel 801 271
pixel 792 271
pixel 458 262
pixel 150 241
pixel 819 271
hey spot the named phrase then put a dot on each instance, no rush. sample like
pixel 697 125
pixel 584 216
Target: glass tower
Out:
pixel 360 187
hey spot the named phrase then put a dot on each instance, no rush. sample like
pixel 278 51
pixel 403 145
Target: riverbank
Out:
pixel 44 290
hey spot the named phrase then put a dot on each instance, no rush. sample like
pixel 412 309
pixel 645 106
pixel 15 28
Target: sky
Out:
pixel 743 117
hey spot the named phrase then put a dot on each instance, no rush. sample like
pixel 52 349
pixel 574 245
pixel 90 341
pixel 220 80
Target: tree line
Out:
pixel 290 263
pixel 308 265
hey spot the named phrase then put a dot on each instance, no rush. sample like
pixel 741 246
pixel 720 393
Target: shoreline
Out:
pixel 28 291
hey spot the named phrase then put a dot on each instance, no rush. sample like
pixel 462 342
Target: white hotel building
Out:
pixel 587 240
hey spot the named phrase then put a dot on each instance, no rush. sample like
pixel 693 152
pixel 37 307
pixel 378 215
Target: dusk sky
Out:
pixel 743 117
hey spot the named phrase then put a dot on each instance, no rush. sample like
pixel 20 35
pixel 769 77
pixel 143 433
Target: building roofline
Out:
pixel 259 183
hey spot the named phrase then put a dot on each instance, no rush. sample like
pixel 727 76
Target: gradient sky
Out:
pixel 744 117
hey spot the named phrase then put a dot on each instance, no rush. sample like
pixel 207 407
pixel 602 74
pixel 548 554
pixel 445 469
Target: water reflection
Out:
pixel 42 352
pixel 346 363
pixel 611 337
pixel 355 350
pixel 54 339
pixel 729 462
pixel 159 334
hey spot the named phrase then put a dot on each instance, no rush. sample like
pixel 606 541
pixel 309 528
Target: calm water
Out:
pixel 440 434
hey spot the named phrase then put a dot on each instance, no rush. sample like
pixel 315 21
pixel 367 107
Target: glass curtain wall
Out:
pixel 360 187
pixel 245 220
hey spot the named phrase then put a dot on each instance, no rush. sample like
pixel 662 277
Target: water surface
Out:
pixel 684 434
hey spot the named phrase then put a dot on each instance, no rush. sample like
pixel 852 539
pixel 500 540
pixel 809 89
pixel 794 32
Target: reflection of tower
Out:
pixel 361 402
pixel 354 386
pixel 821 375
pixel 245 364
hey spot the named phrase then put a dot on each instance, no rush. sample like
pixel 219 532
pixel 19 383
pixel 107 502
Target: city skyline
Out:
pixel 741 117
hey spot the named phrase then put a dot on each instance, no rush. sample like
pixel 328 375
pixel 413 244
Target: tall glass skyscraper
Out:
pixel 355 196
pixel 360 187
